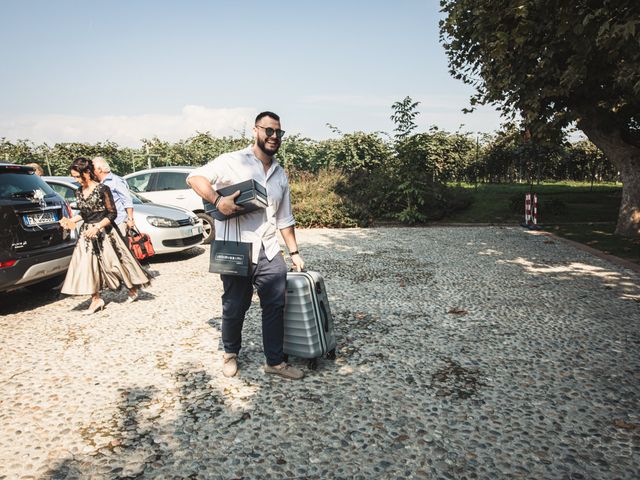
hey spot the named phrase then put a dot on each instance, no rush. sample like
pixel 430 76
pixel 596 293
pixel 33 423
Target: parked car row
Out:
pixel 171 229
pixel 35 250
pixel 168 186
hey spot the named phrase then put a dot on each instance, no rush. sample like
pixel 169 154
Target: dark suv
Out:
pixel 35 250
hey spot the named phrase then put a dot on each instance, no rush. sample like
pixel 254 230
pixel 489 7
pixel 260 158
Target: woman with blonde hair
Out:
pixel 101 258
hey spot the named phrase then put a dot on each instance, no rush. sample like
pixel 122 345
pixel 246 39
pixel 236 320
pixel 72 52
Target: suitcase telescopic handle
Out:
pixel 325 315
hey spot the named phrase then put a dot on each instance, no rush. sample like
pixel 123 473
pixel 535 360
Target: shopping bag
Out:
pixel 230 257
pixel 139 244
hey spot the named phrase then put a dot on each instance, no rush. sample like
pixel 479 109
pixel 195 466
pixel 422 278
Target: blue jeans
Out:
pixel 270 280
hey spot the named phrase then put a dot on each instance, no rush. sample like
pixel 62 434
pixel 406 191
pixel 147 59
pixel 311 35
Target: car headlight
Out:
pixel 162 222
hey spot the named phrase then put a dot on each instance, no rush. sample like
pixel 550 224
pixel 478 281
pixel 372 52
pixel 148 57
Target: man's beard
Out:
pixel 262 145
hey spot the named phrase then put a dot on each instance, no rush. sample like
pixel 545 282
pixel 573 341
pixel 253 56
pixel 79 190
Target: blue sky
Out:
pixel 126 70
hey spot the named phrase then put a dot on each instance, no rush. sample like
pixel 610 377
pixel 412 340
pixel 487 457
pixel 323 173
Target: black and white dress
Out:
pixel 104 261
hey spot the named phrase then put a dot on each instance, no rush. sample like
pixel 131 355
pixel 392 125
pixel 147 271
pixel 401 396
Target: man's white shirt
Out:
pixel 260 226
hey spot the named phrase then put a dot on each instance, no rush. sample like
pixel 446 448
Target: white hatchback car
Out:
pixel 168 186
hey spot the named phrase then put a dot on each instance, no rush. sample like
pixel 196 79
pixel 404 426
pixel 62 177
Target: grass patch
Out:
pixel 565 202
pixel 571 210
pixel 601 237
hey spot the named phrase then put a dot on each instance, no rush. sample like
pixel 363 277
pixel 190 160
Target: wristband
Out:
pixel 215 204
pixel 295 252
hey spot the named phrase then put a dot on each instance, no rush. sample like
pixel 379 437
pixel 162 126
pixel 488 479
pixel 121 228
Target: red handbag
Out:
pixel 139 244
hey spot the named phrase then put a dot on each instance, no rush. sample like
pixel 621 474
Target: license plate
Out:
pixel 40 218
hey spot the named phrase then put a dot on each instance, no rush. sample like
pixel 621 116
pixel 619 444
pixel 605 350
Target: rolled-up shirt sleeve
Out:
pixel 210 171
pixel 284 214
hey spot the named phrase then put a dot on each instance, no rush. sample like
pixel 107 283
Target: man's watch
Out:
pixel 295 252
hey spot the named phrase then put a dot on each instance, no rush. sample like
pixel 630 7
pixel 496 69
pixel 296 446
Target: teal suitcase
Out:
pixel 308 324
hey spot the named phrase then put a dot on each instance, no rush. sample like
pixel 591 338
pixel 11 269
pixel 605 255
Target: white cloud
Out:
pixel 127 130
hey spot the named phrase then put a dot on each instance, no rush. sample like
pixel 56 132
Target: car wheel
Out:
pixel 207 226
pixel 46 285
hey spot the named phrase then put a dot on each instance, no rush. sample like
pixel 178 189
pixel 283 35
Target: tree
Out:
pixel 61 155
pixel 410 160
pixel 358 152
pixel 404 112
pixel 585 162
pixel 556 63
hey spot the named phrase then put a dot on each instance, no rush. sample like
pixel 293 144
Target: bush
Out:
pixel 331 198
pixel 368 196
pixel 315 201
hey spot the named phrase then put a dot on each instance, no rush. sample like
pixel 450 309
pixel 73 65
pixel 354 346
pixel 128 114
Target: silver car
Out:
pixel 168 186
pixel 171 229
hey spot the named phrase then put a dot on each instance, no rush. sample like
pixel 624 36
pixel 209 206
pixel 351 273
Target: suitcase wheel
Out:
pixel 312 364
pixel 331 354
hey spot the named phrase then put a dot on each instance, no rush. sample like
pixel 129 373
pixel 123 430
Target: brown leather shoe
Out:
pixel 285 370
pixel 229 364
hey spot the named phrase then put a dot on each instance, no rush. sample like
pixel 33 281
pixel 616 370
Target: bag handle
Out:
pixel 133 231
pixel 238 231
pixel 325 316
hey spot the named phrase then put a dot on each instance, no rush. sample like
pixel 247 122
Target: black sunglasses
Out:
pixel 270 131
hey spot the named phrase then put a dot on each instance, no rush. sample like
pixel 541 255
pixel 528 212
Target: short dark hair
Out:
pixel 266 114
pixel 82 165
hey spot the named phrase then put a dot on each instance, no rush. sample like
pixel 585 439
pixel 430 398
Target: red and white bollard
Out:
pixel 527 208
pixel 530 210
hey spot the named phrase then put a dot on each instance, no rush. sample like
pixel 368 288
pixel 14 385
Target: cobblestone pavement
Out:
pixel 462 353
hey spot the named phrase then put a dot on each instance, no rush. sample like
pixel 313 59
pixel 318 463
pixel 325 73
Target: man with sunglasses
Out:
pixel 269 272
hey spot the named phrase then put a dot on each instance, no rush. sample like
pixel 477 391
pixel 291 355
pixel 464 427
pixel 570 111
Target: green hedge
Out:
pixel 331 198
pixel 316 203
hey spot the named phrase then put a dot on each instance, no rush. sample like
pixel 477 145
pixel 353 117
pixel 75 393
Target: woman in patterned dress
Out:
pixel 101 258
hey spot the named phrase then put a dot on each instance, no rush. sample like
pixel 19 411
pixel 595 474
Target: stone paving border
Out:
pixel 628 264
pixel 463 353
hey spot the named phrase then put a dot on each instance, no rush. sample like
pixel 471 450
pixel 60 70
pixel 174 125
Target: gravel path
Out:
pixel 462 353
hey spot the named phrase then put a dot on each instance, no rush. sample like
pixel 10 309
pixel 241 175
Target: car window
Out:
pixel 16 185
pixel 65 192
pixel 171 181
pixel 138 200
pixel 139 183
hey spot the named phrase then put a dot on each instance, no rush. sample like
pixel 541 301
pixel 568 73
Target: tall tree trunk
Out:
pixel 626 157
